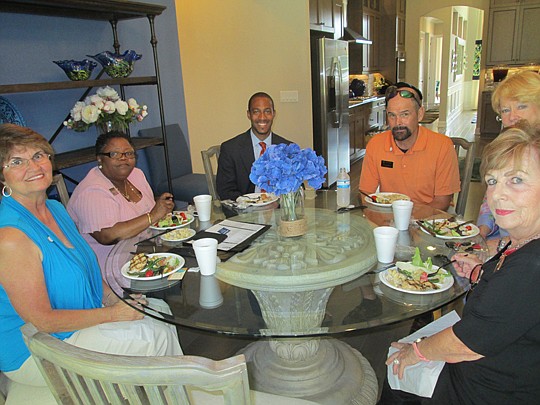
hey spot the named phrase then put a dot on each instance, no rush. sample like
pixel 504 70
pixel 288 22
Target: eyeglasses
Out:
pixel 474 278
pixel 119 155
pixel 21 163
pixel 393 91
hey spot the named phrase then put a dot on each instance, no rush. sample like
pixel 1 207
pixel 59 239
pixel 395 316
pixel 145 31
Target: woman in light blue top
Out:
pixel 49 276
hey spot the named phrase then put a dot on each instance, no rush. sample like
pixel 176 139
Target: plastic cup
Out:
pixel 402 214
pixel 385 243
pixel 203 204
pixel 206 254
pixel 210 295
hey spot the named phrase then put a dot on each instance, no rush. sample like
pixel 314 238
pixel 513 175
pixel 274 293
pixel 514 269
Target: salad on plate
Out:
pixel 173 220
pixel 417 276
pixel 449 228
pixel 152 266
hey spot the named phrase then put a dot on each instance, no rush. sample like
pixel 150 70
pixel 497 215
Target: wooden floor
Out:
pixel 373 345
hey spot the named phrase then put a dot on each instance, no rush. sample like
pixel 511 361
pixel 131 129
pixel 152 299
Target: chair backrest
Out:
pixel 80 376
pixel 60 184
pixel 178 151
pixel 465 173
pixel 207 155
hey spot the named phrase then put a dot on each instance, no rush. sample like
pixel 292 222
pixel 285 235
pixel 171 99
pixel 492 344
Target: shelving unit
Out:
pixel 101 10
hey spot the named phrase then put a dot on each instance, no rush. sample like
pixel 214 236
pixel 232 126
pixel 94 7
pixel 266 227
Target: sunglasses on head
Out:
pixel 393 91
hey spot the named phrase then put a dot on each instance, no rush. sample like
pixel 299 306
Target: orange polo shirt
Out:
pixel 428 169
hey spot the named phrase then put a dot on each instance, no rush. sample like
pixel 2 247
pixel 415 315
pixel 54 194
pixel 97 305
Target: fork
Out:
pixel 346 209
pixel 440 267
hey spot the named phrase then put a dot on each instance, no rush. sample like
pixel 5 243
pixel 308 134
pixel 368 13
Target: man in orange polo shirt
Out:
pixel 410 159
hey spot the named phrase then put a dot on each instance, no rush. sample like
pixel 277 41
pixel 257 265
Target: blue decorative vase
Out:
pixel 77 69
pixel 116 65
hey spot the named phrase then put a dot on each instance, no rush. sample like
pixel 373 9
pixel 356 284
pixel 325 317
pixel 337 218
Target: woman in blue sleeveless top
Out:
pixel 49 276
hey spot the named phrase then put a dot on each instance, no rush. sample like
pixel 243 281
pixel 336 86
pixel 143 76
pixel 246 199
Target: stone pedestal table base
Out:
pixel 335 374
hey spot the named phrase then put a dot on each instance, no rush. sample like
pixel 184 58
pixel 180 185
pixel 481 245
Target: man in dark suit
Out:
pixel 238 154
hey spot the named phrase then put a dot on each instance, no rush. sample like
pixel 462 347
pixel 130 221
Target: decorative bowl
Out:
pixel 77 69
pixel 117 65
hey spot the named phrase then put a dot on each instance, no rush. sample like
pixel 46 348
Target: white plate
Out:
pixel 252 198
pixel 476 231
pixel 177 213
pixel 171 237
pixel 181 262
pixel 369 200
pixel 448 282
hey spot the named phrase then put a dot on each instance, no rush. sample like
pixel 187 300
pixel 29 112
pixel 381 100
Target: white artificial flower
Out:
pixel 96 100
pixel 76 110
pixel 90 114
pixel 109 107
pixel 121 107
pixel 108 92
pixel 133 105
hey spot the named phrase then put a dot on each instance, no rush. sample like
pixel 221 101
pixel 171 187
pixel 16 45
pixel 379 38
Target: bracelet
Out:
pixel 417 351
pixel 149 218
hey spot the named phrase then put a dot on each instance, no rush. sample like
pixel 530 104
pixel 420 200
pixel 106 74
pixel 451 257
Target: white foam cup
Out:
pixel 385 243
pixel 206 254
pixel 203 204
pixel 402 210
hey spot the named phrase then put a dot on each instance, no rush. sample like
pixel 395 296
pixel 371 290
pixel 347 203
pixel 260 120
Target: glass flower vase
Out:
pixel 109 126
pixel 293 221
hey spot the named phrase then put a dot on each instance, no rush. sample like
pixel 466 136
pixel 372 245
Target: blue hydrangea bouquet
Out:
pixel 282 170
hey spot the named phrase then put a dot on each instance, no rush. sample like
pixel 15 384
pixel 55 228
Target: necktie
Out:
pixel 263 148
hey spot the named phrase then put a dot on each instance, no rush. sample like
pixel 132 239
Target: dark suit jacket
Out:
pixel 236 157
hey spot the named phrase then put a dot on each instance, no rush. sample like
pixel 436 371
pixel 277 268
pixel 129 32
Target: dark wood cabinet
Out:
pixel 322 15
pixel 99 10
pixel 358 125
pixel 489 125
pixel 392 36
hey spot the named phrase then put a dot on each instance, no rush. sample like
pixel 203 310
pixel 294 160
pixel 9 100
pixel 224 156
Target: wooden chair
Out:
pixel 208 169
pixel 80 376
pixel 465 173
pixel 60 184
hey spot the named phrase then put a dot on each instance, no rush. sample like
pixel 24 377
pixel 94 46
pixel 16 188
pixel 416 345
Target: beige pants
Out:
pixel 146 337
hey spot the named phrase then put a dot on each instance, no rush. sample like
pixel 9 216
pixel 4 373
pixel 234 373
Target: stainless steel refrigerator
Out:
pixel 330 89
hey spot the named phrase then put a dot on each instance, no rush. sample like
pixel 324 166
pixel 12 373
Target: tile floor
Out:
pixel 372 345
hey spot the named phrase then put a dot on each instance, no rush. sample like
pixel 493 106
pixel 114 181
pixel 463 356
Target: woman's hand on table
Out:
pixel 164 205
pixel 465 263
pixel 121 311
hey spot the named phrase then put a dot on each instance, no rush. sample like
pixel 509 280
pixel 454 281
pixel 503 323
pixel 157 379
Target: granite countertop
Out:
pixel 356 103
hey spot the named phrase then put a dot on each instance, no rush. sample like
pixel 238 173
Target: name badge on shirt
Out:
pixel 386 163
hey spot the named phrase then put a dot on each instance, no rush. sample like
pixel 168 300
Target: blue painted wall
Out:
pixel 29 44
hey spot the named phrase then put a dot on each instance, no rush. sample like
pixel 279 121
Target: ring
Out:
pixel 396 362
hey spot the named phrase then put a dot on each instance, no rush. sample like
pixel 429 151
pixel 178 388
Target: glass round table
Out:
pixel 293 294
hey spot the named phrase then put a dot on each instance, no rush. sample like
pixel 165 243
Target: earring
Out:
pixel 6 191
pixel 100 166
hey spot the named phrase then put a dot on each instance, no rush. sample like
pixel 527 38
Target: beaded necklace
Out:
pixel 511 250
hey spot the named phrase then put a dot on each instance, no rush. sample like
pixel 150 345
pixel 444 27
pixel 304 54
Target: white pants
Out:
pixel 145 337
